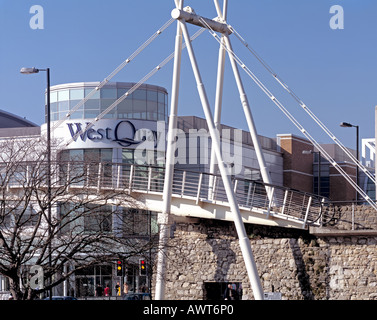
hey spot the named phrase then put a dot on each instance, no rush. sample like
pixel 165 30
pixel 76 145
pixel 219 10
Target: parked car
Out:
pixel 137 296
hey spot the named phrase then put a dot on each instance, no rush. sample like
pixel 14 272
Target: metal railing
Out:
pixel 199 186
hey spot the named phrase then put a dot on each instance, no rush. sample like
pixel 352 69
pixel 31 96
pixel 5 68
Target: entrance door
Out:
pixel 222 291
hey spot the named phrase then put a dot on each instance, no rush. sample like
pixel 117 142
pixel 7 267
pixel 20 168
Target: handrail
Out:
pixel 251 195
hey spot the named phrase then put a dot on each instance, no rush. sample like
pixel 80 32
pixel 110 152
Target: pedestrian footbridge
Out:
pixel 202 195
pixel 194 194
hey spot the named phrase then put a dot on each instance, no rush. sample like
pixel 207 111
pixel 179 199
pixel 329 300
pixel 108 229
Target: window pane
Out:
pixel 63 95
pixel 152 96
pixel 63 106
pixel 77 94
pixel 110 115
pixel 140 94
pixel 53 96
pixel 95 94
pixel 109 93
pixel 106 155
pixel 105 103
pixel 76 115
pixel 127 156
pixel 91 155
pixel 76 155
pixel 73 104
pixel 161 108
pixel 152 106
pixel 125 106
pixel 90 114
pixel 139 106
pixel 121 92
pixel 92 104
pixel 54 107
pixel 161 97
pixel 151 116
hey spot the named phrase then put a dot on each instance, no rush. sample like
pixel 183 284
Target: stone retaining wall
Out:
pixel 348 217
pixel 292 262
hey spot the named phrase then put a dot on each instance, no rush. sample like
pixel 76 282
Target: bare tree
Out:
pixel 89 225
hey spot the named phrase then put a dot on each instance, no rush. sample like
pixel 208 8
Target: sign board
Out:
pixel 111 133
pixel 272 296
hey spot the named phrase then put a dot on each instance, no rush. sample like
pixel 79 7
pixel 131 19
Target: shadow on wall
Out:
pixel 302 275
pixel 224 257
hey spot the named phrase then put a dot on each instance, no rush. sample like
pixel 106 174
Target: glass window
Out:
pixel 140 109
pixel 77 94
pixel 63 95
pixel 63 106
pixel 140 94
pixel 110 114
pixel 91 155
pixel 152 110
pixel 161 108
pixel 121 92
pixel 125 108
pixel 106 155
pixel 161 97
pixel 76 155
pixel 152 106
pixel 151 116
pixel 152 96
pixel 95 93
pixel 76 115
pixel 73 104
pixel 105 103
pixel 88 114
pixel 108 93
pixel 54 107
pixel 92 104
pixel 127 156
pixel 53 96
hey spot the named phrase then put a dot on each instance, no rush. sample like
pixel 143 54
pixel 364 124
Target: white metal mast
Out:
pixel 182 17
pixel 163 217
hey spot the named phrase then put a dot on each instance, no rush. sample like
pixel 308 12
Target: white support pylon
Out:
pixel 163 217
pixel 219 95
pixel 242 236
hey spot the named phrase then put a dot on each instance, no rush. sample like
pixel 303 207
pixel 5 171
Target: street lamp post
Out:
pixel 32 71
pixel 319 167
pixel 349 125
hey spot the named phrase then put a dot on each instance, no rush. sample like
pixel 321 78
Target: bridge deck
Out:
pixel 195 194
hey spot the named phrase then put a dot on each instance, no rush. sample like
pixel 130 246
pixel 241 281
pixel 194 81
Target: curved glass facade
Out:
pixel 148 102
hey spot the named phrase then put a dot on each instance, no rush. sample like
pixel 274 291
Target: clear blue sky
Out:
pixel 332 71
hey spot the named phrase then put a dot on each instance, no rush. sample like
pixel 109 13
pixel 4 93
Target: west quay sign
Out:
pixel 123 133
pixel 147 137
pixel 110 133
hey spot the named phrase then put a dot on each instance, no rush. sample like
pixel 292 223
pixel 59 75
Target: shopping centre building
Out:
pixel 134 132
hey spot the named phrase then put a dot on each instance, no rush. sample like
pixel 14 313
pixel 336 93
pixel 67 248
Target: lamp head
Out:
pixel 29 70
pixel 346 125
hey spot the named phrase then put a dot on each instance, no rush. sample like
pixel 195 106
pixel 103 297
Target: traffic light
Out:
pixel 142 267
pixel 119 267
